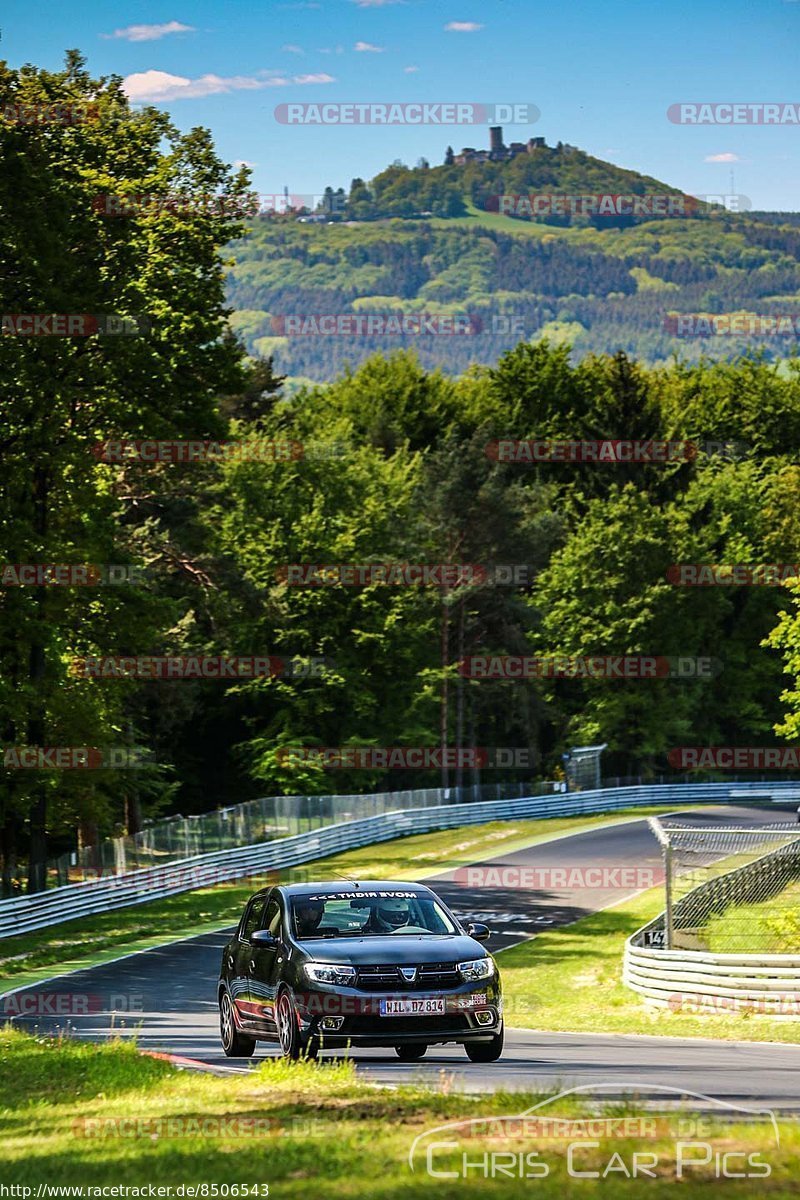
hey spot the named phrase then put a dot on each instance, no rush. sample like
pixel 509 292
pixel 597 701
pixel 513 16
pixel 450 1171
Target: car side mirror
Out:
pixel 265 939
pixel 480 932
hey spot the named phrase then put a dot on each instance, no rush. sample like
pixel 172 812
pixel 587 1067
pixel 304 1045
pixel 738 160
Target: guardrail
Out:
pixel 684 978
pixel 27 913
pixel 694 980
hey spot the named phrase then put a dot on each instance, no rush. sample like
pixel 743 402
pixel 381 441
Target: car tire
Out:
pixel 488 1051
pixel 292 1043
pixel 234 1043
pixel 410 1053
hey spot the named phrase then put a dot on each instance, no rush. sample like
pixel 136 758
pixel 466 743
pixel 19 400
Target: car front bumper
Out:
pixel 473 1012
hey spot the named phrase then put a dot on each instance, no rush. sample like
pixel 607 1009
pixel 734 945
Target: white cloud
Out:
pixel 368 48
pixel 410 70
pixel 463 27
pixel 157 86
pixel 149 33
pixel 376 3
pixel 292 49
pixel 722 158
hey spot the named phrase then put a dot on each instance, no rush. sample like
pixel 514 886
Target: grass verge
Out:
pixel 570 980
pixel 766 927
pixel 91 941
pixel 76 1114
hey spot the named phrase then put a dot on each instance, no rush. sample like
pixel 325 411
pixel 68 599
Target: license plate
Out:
pixel 412 1008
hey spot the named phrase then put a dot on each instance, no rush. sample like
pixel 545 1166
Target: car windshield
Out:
pixel 368 914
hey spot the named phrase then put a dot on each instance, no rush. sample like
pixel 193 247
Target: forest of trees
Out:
pixel 600 289
pixel 389 465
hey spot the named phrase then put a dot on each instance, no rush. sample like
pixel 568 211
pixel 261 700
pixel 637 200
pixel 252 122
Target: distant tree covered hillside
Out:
pixel 602 288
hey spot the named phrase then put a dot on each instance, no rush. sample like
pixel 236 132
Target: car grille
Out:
pixel 384 978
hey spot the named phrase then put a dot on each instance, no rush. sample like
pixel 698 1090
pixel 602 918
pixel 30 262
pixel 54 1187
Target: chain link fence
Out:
pixel 729 890
pixel 261 820
pixel 269 817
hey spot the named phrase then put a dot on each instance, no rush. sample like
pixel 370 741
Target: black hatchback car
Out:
pixel 363 964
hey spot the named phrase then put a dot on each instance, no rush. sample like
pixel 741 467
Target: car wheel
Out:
pixel 410 1053
pixel 488 1051
pixel 235 1044
pixel 292 1043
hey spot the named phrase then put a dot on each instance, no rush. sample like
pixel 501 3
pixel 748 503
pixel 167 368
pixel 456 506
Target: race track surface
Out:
pixel 167 996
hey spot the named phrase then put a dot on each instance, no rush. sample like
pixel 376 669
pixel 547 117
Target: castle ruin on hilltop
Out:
pixel 497 152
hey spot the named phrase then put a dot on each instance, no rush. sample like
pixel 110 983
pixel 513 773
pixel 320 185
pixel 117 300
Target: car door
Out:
pixel 265 964
pixel 248 1008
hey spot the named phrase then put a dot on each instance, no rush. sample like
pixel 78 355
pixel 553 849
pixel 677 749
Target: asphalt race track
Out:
pixel 167 996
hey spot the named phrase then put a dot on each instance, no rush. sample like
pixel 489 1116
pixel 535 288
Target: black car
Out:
pixel 363 964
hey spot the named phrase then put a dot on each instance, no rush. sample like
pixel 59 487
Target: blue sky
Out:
pixel 601 75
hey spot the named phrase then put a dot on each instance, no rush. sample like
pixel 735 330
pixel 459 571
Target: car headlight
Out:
pixel 331 973
pixel 477 968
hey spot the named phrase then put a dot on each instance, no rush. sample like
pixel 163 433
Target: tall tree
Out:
pixel 155 273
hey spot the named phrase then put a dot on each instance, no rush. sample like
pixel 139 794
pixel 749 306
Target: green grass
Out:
pixel 769 927
pixel 93 940
pixel 499 222
pixel 570 980
pixel 76 1114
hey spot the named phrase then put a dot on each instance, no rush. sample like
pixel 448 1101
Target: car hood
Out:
pixel 394 949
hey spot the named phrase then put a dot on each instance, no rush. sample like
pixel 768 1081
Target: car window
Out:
pixel 368 914
pixel 272 918
pixel 252 918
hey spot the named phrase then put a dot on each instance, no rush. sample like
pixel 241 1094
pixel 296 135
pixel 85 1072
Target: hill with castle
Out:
pixel 441 240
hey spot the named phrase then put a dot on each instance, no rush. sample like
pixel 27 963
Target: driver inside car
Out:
pixel 308 914
pixel 388 915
